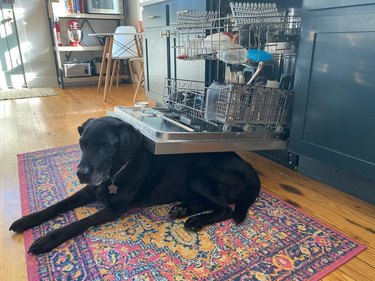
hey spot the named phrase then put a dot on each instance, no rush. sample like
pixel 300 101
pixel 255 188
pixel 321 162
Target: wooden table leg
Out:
pixel 108 73
pixel 138 85
pixel 105 50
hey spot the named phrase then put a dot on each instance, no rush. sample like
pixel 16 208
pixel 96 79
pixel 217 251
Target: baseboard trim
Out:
pixel 355 185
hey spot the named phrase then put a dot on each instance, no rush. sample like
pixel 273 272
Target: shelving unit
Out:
pixel 91 48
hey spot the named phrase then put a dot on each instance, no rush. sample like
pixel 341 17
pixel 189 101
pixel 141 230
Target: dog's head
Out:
pixel 107 143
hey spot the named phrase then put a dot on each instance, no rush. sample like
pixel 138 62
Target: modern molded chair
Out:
pixel 123 46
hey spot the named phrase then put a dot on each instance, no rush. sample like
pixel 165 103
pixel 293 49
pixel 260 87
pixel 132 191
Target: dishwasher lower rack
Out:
pixel 231 105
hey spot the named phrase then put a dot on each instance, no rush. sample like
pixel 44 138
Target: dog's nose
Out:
pixel 83 174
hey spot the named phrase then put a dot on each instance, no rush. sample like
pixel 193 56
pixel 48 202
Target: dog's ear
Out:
pixel 130 139
pixel 82 127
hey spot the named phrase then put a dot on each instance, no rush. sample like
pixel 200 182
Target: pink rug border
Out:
pixel 341 261
pixel 31 260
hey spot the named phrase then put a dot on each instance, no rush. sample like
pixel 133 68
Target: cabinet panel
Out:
pixel 341 95
pixel 160 51
pixel 155 15
pixel 157 62
pixel 333 105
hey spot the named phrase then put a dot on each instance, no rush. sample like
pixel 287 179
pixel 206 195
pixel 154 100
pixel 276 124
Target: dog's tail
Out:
pixel 245 200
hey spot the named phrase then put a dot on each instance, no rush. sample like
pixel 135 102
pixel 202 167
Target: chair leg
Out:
pixel 102 66
pixel 132 71
pixel 138 86
pixel 108 71
pixel 118 72
pixel 114 70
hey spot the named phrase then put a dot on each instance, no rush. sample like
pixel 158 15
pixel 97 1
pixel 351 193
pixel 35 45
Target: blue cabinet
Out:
pixel 333 113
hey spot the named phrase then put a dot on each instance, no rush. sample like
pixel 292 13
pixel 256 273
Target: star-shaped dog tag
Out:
pixel 112 189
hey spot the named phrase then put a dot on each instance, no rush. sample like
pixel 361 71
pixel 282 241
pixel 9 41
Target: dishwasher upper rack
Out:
pixel 242 106
pixel 273 32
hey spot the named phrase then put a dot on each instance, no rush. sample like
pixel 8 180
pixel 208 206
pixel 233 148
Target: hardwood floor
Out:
pixel 41 123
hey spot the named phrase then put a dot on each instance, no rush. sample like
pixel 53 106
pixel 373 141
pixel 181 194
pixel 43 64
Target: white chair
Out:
pixel 123 45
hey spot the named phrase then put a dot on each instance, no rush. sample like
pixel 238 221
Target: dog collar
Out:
pixel 112 189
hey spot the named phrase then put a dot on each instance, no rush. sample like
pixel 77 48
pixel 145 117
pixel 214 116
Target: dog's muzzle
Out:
pixel 83 174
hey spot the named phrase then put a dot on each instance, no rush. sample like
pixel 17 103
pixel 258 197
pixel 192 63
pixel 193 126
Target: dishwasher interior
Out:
pixel 248 106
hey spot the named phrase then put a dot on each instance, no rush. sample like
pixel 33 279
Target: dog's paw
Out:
pixel 47 242
pixel 194 224
pixel 21 224
pixel 178 212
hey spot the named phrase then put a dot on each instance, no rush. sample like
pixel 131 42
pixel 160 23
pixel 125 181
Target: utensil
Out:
pixel 141 104
pixel 255 75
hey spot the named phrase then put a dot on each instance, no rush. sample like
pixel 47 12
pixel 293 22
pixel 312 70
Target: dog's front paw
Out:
pixel 47 242
pixel 178 212
pixel 21 224
pixel 194 224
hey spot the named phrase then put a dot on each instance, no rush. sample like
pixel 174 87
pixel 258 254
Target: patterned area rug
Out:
pixel 276 242
pixel 26 93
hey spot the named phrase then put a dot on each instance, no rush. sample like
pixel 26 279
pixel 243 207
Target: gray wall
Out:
pixel 131 12
pixel 35 40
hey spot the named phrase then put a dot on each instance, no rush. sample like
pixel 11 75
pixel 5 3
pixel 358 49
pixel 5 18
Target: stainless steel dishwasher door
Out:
pixel 165 135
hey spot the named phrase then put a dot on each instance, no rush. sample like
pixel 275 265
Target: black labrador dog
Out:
pixel 122 173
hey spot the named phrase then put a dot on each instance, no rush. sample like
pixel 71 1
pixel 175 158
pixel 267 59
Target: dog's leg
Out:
pixel 197 222
pixel 110 212
pixel 221 209
pixel 80 198
pixel 56 237
pixel 187 209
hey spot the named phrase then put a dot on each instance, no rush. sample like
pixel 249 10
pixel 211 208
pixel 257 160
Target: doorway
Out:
pixel 12 73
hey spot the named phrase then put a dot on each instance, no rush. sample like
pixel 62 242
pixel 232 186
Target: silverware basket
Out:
pixel 252 105
pixel 235 105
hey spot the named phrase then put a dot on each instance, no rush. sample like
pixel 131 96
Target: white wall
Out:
pixel 35 40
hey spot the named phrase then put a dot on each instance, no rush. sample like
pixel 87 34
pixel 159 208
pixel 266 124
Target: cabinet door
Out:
pixel 157 61
pixel 333 112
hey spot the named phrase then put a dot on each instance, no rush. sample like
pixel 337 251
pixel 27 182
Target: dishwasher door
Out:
pixel 164 134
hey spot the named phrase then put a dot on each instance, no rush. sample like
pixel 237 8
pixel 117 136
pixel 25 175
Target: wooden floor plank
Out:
pixel 2 183
pixel 41 123
pixel 316 189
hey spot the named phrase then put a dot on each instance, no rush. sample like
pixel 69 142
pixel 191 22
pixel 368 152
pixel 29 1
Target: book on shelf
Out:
pixel 82 6
pixel 75 6
pixel 69 6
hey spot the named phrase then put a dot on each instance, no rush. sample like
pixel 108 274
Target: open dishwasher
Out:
pixel 239 111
